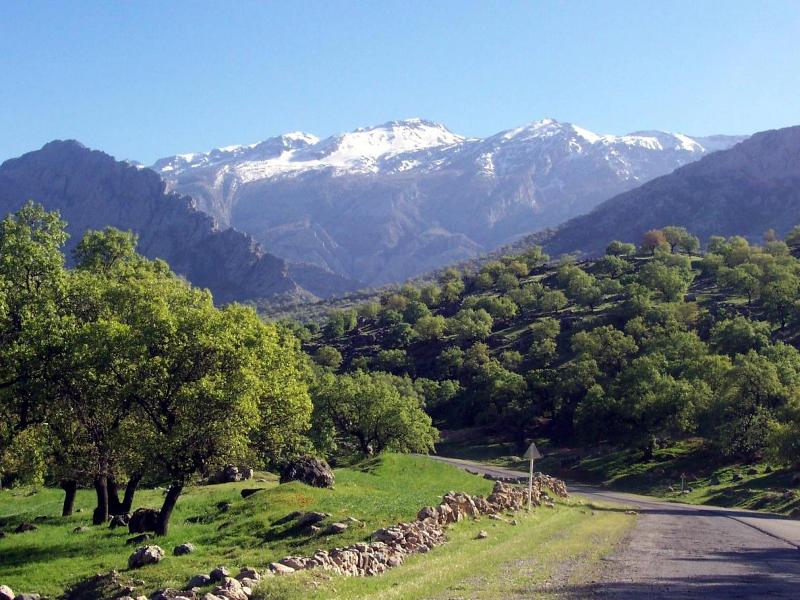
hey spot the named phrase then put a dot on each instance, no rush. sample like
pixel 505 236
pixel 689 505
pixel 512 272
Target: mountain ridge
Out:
pixel 92 190
pixel 385 203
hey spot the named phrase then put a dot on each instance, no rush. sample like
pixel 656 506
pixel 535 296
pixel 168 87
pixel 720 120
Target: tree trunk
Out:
pixel 170 499
pixel 114 505
pixel 130 490
pixel 100 515
pixel 70 487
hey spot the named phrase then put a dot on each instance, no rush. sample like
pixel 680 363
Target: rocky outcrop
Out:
pixel 311 471
pixel 91 190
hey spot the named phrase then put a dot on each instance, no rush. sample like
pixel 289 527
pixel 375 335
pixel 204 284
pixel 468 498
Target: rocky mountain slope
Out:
pixel 746 190
pixel 385 203
pixel 92 190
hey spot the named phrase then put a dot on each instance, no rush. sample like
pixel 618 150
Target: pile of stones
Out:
pixel 390 546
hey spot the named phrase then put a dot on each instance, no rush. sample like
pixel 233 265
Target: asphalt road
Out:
pixel 686 551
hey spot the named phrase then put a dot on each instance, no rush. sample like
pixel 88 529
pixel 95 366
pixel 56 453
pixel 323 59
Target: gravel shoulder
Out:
pixel 687 551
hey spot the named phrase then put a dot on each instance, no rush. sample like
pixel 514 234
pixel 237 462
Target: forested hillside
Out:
pixel 640 347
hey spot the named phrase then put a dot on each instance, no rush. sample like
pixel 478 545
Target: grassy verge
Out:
pixel 378 492
pixel 548 548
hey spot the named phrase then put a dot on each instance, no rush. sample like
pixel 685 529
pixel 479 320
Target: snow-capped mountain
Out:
pixel 384 203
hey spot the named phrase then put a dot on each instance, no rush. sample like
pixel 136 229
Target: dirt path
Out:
pixel 685 551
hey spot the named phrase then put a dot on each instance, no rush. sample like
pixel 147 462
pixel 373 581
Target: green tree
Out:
pixel 328 356
pixel 469 324
pixel 617 248
pixel 431 327
pixel 739 335
pixel 373 412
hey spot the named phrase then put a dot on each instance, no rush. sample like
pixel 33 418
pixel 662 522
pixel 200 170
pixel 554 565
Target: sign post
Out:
pixel 532 453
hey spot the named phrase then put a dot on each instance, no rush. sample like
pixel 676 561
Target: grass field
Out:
pixel 379 492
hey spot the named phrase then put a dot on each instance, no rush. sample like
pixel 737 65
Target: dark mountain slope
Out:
pixel 91 190
pixel 745 190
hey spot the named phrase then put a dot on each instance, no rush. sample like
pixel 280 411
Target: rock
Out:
pixel 311 518
pixel 81 529
pixel 172 594
pixel 138 539
pixel 335 528
pixel 224 506
pixel 311 471
pixel 248 573
pixel 736 477
pixel 714 480
pixel 120 521
pixel 229 474
pixel 247 474
pixel 768 469
pixel 146 555
pixel 219 574
pixel 231 589
pixel 23 527
pixel 40 519
pixel 199 580
pixel 6 593
pixel 27 597
pixel 482 535
pixel 247 492
pixel 752 471
pixel 144 519
pixel 183 549
pixel 2 534
pixel 631 512
pixel 280 569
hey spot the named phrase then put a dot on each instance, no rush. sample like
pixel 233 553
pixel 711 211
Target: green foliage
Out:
pixel 339 323
pixel 430 327
pixel 617 248
pixel 372 412
pixel 469 324
pixel 328 356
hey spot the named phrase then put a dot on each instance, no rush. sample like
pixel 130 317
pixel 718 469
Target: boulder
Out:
pixel 23 527
pixel 482 535
pixel 119 521
pixel 82 529
pixel 335 528
pixel 247 474
pixel 219 574
pixel 311 471
pixel 229 474
pixel 311 518
pixel 173 594
pixel 280 569
pixel 248 573
pixel 27 597
pixel 145 555
pixel 199 580
pixel 144 519
pixel 183 549
pixel 6 593
pixel 247 492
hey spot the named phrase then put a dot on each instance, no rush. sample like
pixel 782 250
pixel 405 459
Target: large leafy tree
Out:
pixel 372 412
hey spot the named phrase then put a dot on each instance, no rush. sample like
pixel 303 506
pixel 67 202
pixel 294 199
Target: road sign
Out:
pixel 532 453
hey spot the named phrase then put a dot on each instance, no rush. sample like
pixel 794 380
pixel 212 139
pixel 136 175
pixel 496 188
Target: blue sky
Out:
pixel 147 79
